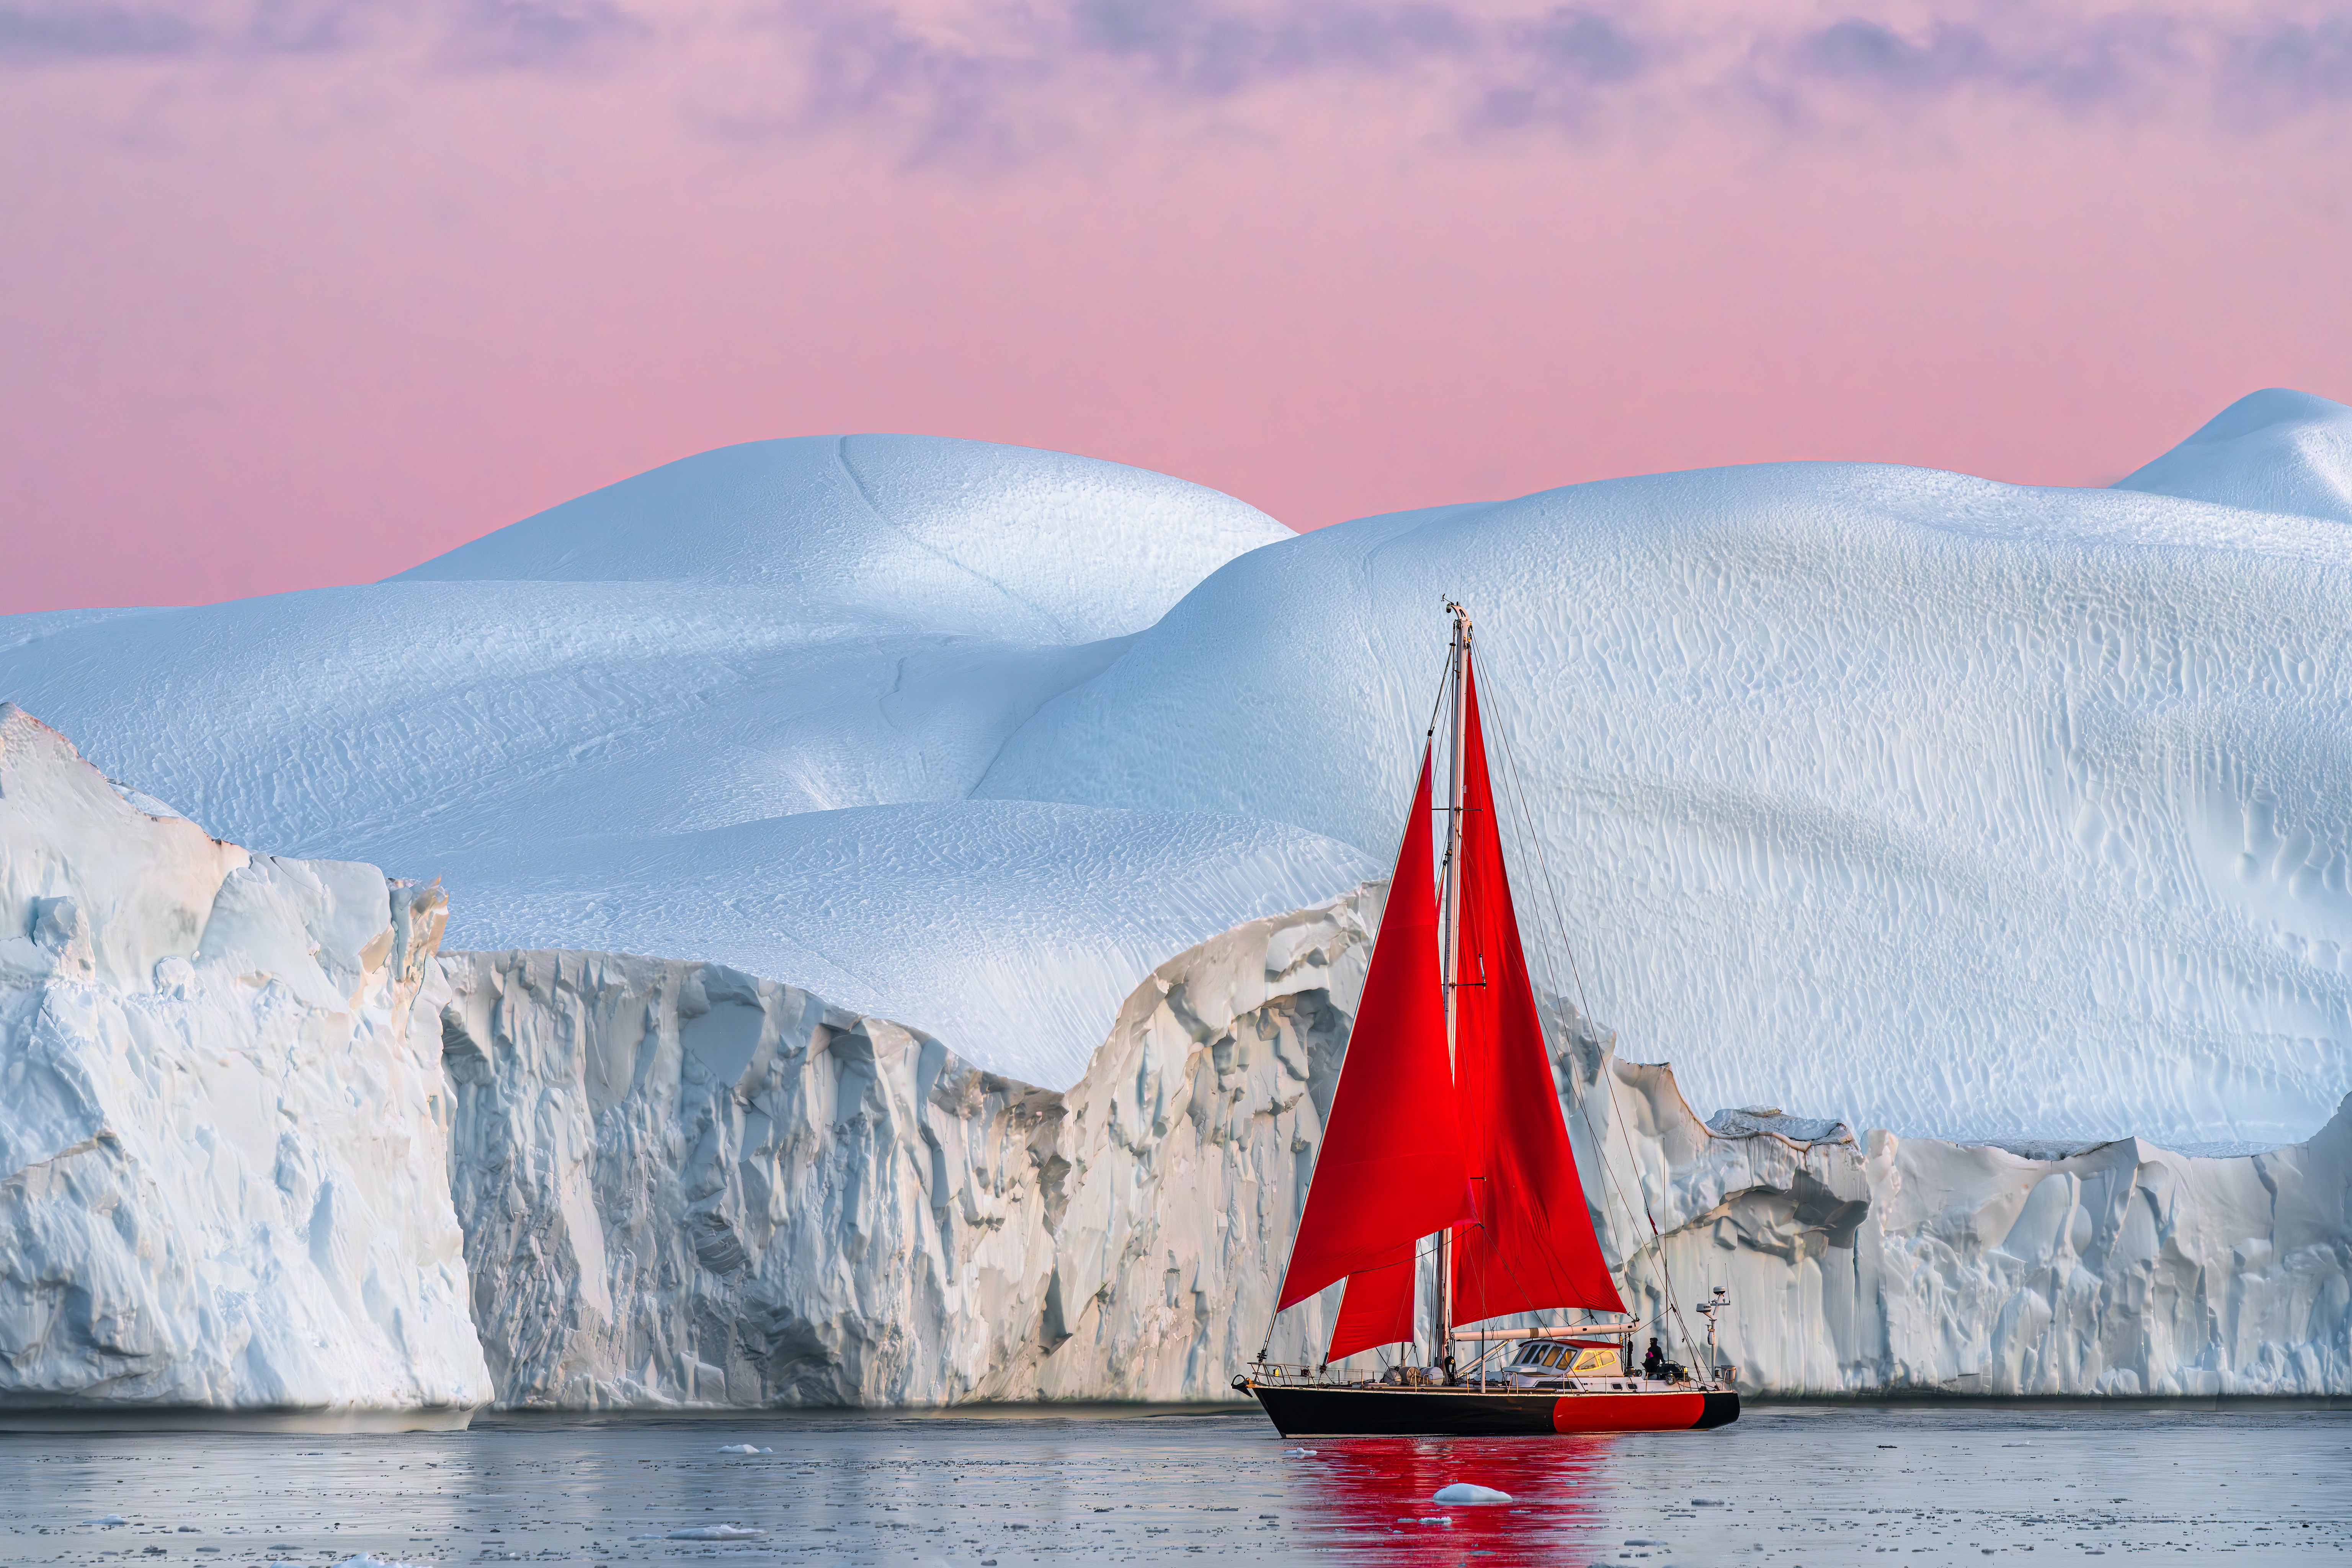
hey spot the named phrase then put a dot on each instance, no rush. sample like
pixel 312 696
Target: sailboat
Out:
pixel 1445 1141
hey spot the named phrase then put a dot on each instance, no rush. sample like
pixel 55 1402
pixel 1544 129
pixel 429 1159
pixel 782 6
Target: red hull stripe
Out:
pixel 1628 1411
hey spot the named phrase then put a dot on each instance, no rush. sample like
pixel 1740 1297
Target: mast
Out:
pixel 1449 945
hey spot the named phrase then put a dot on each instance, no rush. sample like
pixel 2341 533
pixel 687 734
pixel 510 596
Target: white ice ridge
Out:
pixel 643 721
pixel 1927 802
pixel 685 1186
pixel 223 1177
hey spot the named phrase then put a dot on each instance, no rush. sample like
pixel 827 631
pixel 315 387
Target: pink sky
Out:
pixel 304 292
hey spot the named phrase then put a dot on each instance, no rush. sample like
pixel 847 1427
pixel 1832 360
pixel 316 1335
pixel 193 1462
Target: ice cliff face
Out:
pixel 682 1186
pixel 1912 1265
pixel 223 1177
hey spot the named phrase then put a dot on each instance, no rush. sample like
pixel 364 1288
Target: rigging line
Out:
pixel 1519 790
pixel 1525 820
pixel 1395 849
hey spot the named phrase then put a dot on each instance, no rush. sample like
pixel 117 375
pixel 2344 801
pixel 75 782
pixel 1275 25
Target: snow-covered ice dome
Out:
pixel 719 675
pixel 949 536
pixel 1881 793
pixel 1878 794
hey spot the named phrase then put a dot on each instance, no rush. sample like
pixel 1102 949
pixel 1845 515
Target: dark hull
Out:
pixel 1337 1412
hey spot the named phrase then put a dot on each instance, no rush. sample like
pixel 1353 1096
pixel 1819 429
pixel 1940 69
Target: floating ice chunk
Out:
pixel 107 1522
pixel 1462 1491
pixel 713 1532
pixel 1296 1453
pixel 744 1448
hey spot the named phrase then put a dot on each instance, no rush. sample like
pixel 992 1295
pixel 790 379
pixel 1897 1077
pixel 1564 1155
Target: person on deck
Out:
pixel 1654 1362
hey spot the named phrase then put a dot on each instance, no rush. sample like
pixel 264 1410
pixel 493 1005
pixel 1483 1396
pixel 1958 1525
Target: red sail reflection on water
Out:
pixel 1364 1497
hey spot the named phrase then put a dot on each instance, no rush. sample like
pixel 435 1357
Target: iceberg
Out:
pixel 901 906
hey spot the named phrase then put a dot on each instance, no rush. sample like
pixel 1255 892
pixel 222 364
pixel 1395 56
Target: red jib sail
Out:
pixel 1390 1168
pixel 1532 1247
pixel 1378 1307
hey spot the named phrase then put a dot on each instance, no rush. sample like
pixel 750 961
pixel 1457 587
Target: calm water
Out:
pixel 1786 1485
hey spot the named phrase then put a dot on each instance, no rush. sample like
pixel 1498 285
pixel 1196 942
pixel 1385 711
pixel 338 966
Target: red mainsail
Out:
pixel 1532 1245
pixel 1390 1170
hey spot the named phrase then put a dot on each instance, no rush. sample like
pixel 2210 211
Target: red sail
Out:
pixel 1391 1170
pixel 1533 1245
pixel 1378 1307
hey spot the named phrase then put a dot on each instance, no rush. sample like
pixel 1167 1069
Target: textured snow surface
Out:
pixel 608 738
pixel 222 1167
pixel 1895 796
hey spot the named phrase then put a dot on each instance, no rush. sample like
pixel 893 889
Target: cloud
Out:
pixel 952 100
pixel 521 35
pixel 999 82
pixel 1577 69
pixel 56 33
pixel 2076 67
pixel 2281 69
pixel 1202 50
pixel 1559 69
pixel 535 35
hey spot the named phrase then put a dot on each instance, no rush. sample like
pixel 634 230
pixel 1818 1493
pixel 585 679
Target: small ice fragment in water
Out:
pixel 107 1522
pixel 738 1448
pixel 1296 1453
pixel 713 1532
pixel 1462 1491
